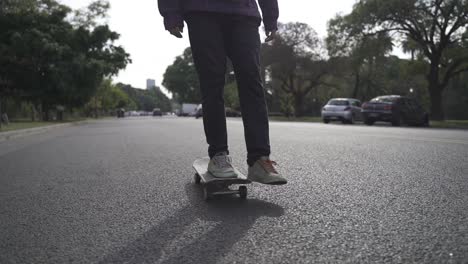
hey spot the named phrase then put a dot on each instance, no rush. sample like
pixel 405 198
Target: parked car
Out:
pixel 346 110
pixel 157 112
pixel 396 109
pixel 144 113
pixel 132 113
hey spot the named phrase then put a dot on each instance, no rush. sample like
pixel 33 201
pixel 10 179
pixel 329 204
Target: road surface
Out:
pixel 121 191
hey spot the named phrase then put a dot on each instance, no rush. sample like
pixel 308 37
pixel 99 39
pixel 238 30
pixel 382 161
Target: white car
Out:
pixel 346 110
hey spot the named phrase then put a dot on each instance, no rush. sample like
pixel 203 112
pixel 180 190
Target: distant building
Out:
pixel 150 83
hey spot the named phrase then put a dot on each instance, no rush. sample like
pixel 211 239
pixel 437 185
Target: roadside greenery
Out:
pixel 25 125
pixel 302 71
pixel 434 30
pixel 181 79
pixel 108 98
pixel 53 56
pixel 463 124
pixel 57 62
pixel 309 119
pixel 145 100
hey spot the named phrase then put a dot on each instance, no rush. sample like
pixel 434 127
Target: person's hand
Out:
pixel 177 32
pixel 271 35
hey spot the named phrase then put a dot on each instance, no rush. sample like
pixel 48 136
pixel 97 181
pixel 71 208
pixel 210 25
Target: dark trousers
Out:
pixel 213 38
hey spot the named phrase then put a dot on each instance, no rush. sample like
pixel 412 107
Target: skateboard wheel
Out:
pixel 243 192
pixel 197 178
pixel 206 194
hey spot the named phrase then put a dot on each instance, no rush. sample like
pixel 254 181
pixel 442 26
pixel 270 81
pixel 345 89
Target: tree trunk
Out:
pixel 95 107
pixel 1 113
pixel 59 115
pixel 45 112
pixel 370 74
pixel 70 112
pixel 33 113
pixel 357 82
pixel 46 115
pixel 39 111
pixel 299 104
pixel 437 111
pixel 435 92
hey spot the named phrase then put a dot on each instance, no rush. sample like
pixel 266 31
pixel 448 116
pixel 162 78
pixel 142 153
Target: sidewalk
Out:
pixel 4 136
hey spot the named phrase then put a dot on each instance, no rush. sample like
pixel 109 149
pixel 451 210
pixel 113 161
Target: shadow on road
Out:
pixel 233 219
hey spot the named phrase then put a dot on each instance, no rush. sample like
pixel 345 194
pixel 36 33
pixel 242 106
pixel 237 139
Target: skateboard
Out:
pixel 213 186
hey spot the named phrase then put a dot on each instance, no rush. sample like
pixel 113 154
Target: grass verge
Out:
pixel 296 119
pixel 25 124
pixel 450 124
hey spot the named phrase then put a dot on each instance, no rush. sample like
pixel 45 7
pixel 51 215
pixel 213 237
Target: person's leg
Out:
pixel 209 55
pixel 243 46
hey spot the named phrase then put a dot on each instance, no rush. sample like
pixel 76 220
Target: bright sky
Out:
pixel 152 49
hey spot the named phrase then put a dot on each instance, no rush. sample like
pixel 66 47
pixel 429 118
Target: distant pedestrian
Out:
pixel 229 28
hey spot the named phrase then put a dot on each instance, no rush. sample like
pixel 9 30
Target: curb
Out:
pixel 4 136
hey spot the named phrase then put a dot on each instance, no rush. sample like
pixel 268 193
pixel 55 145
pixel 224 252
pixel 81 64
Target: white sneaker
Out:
pixel 220 166
pixel 263 171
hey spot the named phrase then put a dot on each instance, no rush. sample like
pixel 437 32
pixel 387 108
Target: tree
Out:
pixel 147 100
pixel 410 46
pixel 231 96
pixel 161 100
pixel 355 54
pixel 297 60
pixel 456 98
pixel 438 27
pixel 51 60
pixel 108 98
pixel 181 79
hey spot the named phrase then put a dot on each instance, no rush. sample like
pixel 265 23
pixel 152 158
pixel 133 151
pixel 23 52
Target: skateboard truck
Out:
pixel 220 189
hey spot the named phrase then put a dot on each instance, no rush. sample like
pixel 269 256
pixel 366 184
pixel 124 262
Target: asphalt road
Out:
pixel 121 191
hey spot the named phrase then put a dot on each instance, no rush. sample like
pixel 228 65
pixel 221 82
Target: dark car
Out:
pixel 120 113
pixel 397 110
pixel 157 112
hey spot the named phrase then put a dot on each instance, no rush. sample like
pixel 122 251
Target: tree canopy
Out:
pixel 49 58
pixel 437 28
pixel 296 60
pixel 147 100
pixel 301 73
pixel 181 79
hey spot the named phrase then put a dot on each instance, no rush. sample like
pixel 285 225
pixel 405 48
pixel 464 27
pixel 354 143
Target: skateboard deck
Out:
pixel 213 186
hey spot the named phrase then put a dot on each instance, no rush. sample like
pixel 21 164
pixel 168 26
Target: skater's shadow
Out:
pixel 233 218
